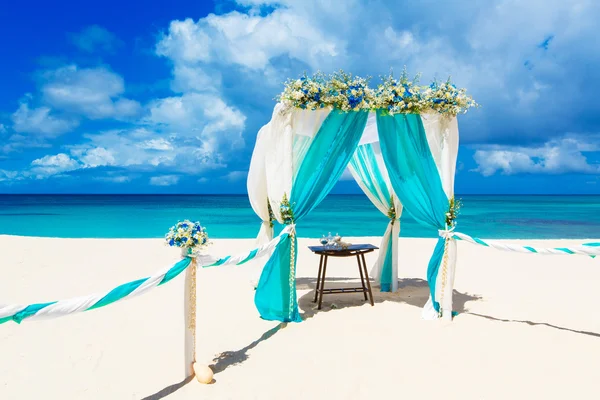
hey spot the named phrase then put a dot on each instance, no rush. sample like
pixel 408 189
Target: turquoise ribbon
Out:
pixel 114 295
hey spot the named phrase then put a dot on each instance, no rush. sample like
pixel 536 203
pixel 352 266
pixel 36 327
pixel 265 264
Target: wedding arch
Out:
pixel 400 142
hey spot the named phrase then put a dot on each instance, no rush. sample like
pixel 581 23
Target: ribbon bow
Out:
pixel 291 229
pixel 446 233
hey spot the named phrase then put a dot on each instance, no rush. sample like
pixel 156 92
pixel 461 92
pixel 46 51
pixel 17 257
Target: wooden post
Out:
pixel 451 262
pixel 189 309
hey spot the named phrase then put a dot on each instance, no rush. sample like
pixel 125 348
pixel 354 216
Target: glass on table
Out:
pixel 324 241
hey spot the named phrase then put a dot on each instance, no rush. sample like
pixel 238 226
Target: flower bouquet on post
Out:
pixel 188 236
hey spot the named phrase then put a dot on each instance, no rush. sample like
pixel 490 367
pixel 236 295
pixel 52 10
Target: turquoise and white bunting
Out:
pixel 19 312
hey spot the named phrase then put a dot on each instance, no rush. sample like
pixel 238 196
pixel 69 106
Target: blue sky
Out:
pixel 167 97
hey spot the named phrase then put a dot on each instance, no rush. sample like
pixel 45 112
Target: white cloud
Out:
pixel 236 176
pixel 123 148
pixel 250 41
pixel 69 94
pixel 147 149
pixel 41 121
pixel 97 157
pixel 94 38
pixel 190 78
pixel 53 165
pixel 254 3
pixel 156 144
pixel 203 116
pixel 164 180
pixel 2 128
pixel 555 157
pixel 9 176
pixel 400 40
pixel 113 179
pixel 95 93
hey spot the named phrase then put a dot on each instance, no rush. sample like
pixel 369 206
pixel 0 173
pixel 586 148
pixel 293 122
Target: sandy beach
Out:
pixel 528 327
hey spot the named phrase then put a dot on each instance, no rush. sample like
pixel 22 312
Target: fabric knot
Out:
pixel 446 233
pixel 187 252
pixel 291 229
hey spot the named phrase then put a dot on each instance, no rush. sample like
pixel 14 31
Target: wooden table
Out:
pixel 355 250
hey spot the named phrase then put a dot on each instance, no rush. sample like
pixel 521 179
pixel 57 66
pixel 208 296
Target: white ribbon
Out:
pixel 291 229
pixel 446 233
pixel 82 303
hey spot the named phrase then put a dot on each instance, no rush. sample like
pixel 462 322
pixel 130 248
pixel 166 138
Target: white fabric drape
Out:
pixel 370 134
pixel 278 163
pixel 372 177
pixel 290 132
pixel 392 233
pixel 257 184
pixel 305 124
pixel 442 135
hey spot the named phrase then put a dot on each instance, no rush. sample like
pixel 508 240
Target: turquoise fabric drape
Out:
pixel 415 178
pixel 365 164
pixel 273 298
pixel 325 161
pixel 322 166
pixel 368 174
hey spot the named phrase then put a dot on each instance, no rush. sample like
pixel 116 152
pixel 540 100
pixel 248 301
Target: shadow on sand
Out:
pixel 411 291
pixel 531 323
pixel 229 358
pixel 169 390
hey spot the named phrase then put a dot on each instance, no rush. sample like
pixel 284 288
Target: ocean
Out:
pixel 230 216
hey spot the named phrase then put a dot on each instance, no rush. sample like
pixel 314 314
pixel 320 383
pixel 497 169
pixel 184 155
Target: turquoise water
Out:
pixel 150 216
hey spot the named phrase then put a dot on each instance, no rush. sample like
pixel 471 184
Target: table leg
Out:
pixel 367 276
pixel 362 279
pixel 318 278
pixel 322 286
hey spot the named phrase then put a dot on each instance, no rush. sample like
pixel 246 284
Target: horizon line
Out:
pixel 245 194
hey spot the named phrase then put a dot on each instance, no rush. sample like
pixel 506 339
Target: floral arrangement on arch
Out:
pixel 446 98
pixel 307 92
pixel 349 93
pixel 187 235
pixel 346 92
pixel 399 96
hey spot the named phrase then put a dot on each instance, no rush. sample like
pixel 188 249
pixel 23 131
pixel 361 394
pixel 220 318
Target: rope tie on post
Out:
pixel 287 215
pixel 292 272
pixel 192 327
pixel 447 235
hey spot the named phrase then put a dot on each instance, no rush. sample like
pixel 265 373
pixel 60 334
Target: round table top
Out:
pixel 351 250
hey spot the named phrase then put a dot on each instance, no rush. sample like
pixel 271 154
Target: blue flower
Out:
pixel 171 242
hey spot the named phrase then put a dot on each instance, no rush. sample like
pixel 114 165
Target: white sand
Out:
pixel 529 328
